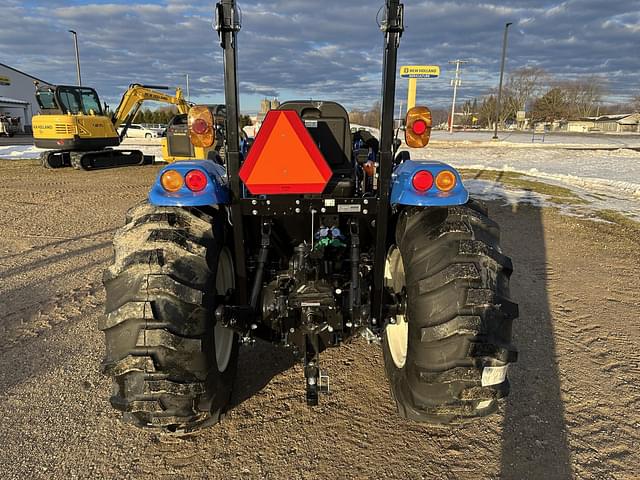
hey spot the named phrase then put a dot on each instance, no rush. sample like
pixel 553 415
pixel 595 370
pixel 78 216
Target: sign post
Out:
pixel 413 73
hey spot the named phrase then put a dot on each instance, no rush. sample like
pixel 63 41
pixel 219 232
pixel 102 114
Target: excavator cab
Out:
pixel 71 119
pixel 68 100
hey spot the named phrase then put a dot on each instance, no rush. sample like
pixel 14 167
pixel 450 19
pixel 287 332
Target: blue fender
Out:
pixel 215 193
pixel 403 192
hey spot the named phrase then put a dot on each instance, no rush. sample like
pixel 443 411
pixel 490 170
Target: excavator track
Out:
pixel 55 159
pixel 97 160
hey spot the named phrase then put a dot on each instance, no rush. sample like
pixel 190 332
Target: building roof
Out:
pixel 23 73
pixel 610 118
pixel 632 119
pixel 13 100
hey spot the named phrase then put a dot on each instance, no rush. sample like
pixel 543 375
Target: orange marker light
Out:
pixel 446 180
pixel 200 122
pixel 171 181
pixel 418 127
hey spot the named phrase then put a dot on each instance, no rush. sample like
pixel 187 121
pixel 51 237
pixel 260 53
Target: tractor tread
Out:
pixel 158 324
pixel 459 314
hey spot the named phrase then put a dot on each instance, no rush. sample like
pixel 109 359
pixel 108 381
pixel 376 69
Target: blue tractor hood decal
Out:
pixel 215 193
pixel 403 192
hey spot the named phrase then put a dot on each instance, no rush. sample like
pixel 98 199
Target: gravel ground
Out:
pixel 573 412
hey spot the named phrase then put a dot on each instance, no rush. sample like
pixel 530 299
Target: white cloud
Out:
pixel 293 46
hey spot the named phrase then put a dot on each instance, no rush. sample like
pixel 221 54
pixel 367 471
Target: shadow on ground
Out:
pixel 534 442
pixel 257 365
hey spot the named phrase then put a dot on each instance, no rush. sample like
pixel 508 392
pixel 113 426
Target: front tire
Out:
pixel 446 358
pixel 172 366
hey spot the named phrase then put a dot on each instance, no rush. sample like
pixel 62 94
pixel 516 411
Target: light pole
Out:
pixel 504 54
pixel 75 41
pixel 188 96
pixel 455 83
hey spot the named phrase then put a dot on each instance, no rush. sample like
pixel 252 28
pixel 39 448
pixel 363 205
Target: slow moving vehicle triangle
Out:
pixel 284 158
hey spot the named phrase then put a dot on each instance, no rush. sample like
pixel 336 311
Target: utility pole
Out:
pixel 455 82
pixel 188 95
pixel 504 55
pixel 75 41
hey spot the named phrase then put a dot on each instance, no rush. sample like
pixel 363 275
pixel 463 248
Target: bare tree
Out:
pixel 553 105
pixel 487 111
pixel 615 108
pixel 583 96
pixel 369 118
pixel 440 115
pixel 635 103
pixel 524 84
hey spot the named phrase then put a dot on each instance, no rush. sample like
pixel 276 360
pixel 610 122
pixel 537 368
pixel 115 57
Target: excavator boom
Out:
pixel 136 94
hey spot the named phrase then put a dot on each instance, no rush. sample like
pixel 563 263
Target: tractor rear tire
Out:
pixel 446 358
pixel 172 366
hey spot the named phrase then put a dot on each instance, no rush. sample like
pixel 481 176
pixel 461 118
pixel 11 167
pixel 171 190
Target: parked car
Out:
pixel 156 127
pixel 136 130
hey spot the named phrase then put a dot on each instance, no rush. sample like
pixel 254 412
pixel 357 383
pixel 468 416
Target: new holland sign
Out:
pixel 420 71
pixel 5 80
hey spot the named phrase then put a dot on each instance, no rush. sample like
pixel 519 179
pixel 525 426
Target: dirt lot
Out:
pixel 574 410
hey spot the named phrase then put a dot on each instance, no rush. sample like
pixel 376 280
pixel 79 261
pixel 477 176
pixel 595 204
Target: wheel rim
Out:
pixel 224 338
pixel 397 334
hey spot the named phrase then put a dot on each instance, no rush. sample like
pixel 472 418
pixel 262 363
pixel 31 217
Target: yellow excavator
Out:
pixel 81 131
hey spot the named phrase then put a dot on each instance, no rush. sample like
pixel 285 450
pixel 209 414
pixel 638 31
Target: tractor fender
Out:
pixel 216 192
pixel 404 193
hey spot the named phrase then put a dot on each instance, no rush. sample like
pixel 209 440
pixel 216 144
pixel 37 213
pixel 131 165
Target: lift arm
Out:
pixel 134 97
pixel 227 24
pixel 392 27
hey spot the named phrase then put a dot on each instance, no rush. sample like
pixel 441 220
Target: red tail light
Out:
pixel 419 127
pixel 422 181
pixel 199 126
pixel 196 180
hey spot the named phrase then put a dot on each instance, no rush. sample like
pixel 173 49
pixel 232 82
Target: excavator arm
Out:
pixel 134 97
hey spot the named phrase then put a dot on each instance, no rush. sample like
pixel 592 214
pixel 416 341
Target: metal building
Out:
pixel 17 95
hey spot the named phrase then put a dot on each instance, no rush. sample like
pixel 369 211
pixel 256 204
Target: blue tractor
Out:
pixel 313 235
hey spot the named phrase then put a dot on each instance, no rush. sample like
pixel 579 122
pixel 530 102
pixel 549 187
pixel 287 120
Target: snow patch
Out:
pixel 29 152
pixel 604 179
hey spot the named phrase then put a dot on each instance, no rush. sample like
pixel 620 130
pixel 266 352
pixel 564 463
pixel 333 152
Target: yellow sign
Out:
pixel 5 80
pixel 420 71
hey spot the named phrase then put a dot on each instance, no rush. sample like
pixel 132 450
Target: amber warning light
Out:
pixel 418 127
pixel 284 158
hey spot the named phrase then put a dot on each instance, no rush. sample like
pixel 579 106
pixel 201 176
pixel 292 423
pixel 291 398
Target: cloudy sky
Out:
pixel 329 49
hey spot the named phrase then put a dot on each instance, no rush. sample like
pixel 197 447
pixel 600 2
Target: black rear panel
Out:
pixel 178 142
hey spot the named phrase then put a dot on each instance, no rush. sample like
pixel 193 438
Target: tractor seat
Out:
pixel 328 124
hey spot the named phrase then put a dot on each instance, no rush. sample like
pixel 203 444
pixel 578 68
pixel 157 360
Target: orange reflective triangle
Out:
pixel 284 158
